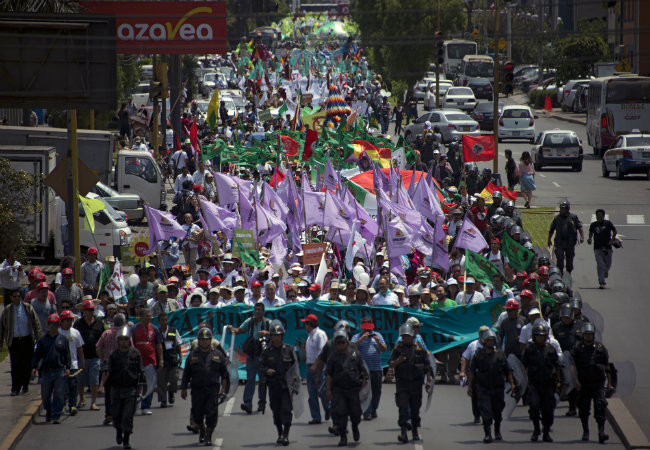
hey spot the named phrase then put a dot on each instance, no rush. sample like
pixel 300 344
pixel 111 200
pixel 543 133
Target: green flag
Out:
pixel 210 151
pixel 479 267
pixel 283 110
pixel 543 295
pixel 519 257
pixel 250 257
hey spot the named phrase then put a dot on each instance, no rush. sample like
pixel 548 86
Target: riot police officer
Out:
pixel 592 364
pixel 346 375
pixel 566 227
pixel 567 333
pixel 541 362
pixel 125 370
pixel 488 370
pixel 411 364
pixel 510 329
pixel 275 362
pixel 206 371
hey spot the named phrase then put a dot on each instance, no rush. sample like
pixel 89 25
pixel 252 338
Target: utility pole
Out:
pixel 496 89
pixel 509 32
pixel 540 22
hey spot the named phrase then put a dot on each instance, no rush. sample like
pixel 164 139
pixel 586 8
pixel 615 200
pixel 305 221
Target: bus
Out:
pixel 616 105
pixel 474 66
pixel 454 52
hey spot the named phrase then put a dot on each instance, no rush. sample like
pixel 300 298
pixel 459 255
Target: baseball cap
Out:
pixel 66 271
pixel 543 270
pixel 414 322
pixel 470 280
pixel 88 304
pixel 53 318
pixel 239 288
pixel 311 318
pixel 256 284
pixel 366 324
pixel 414 291
pixel 215 279
pixel 526 293
pixel 66 314
pixel 42 285
pixel 203 284
pixel 399 289
pixel 162 288
pixel 173 280
pixel 314 287
pixel 92 251
pixel 522 274
pixel 214 290
pixel 452 281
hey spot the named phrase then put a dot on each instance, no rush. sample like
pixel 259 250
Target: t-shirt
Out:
pixel 75 341
pixel 369 350
pixel 448 303
pixel 43 310
pixel 603 233
pixel 91 334
pixel 145 342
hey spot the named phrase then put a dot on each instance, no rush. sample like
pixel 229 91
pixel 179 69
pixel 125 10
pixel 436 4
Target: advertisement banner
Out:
pixel 165 27
pixel 442 328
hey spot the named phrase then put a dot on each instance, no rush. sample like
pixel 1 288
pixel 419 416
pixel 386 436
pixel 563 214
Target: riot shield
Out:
pixel 150 374
pixel 365 394
pixel 623 379
pixel 429 391
pixel 568 378
pixel 521 381
pixel 233 370
pixel 294 382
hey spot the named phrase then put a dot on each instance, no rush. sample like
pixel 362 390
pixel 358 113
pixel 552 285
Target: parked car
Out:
pixel 420 88
pixel 459 97
pixel 566 94
pixel 130 204
pixel 430 98
pixel 452 123
pixel 484 115
pixel 517 122
pixel 482 88
pixel 629 154
pixel 557 148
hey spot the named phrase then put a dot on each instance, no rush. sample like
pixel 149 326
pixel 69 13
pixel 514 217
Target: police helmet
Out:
pixel 494 220
pixel 496 194
pixel 340 334
pixel 587 327
pixel 205 333
pixel 558 286
pixel 561 298
pixel 276 327
pixel 486 172
pixel 554 270
pixel 565 311
pixel 342 325
pixel 489 334
pixel 509 204
pixel 529 246
pixel 540 329
pixel 543 261
pixel 124 332
pixel 468 166
pixel 406 328
pixel 576 304
pixel 515 230
pixel 565 204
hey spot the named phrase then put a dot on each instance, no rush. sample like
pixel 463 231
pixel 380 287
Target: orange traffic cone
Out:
pixel 547 104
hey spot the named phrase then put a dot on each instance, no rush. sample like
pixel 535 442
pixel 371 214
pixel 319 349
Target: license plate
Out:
pixel 467 129
pixel 460 103
pixel 515 133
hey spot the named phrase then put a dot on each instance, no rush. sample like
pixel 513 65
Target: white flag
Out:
pixel 322 272
pixel 356 243
pixel 115 286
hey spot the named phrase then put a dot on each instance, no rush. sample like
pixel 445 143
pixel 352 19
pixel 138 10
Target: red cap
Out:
pixel 88 304
pixel 315 287
pixel 40 276
pixel 42 285
pixel 445 226
pixel 66 314
pixel 177 267
pixel 495 240
pixel 542 270
pixel 366 324
pixel 512 304
pixel 256 284
pixel 66 271
pixel 461 279
pixel 215 279
pixel 203 284
pixel 173 279
pixel 35 271
pixel 526 293
pixel 522 274
pixel 311 318
pixel 53 318
pixel 197 188
pixel 92 251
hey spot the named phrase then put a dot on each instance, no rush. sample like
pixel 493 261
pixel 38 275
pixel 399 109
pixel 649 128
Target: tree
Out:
pixel 577 55
pixel 17 201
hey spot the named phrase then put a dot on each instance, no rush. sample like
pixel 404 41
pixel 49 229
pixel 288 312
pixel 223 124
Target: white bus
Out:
pixel 615 106
pixel 454 53
pixel 474 66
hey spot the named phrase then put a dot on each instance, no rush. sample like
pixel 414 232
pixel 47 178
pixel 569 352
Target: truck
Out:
pixel 49 227
pixel 126 171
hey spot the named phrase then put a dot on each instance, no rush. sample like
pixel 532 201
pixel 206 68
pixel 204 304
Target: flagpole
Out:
pixel 304 209
pixel 163 271
pixel 257 228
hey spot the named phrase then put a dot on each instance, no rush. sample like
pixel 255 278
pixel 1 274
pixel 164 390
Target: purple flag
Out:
pixel 396 267
pixel 263 224
pixel 335 214
pixel 426 202
pixel 424 239
pixel 469 237
pixel 330 179
pixel 314 204
pixel 408 215
pixel 162 226
pixel 278 250
pixel 227 188
pixel 441 250
pixel 412 186
pixel 273 203
pixel 216 218
pixel 305 183
pixel 399 236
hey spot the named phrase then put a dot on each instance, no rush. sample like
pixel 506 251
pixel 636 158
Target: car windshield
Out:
pixel 637 141
pixel 479 69
pixel 479 82
pixel 203 106
pixel 454 117
pixel 240 102
pixel 458 51
pixel 105 191
pixel 209 77
pixel 628 91
pixel 561 140
pixel 487 106
pixel 516 114
pixel 460 91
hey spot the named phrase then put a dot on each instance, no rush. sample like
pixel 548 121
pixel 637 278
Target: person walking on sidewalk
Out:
pixel 527 177
pixel 603 232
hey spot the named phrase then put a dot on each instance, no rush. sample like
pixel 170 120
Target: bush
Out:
pixel 536 98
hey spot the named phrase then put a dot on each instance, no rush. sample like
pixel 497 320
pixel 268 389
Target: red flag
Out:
pixel 478 148
pixel 194 138
pixel 312 136
pixel 290 146
pixel 491 188
pixel 277 178
pixel 365 145
pixel 177 143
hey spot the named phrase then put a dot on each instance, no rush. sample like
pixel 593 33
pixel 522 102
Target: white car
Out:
pixel 459 97
pixel 557 148
pixel 517 122
pixel 430 98
pixel 629 154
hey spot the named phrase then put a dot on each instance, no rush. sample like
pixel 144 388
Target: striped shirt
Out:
pixel 369 350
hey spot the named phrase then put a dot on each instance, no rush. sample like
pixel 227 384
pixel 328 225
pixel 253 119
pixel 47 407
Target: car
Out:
pixel 131 204
pixel 459 97
pixel 482 88
pixel 420 89
pixel 452 123
pixel 567 93
pixel 517 122
pixel 557 148
pixel 430 98
pixel 629 154
pixel 212 80
pixel 484 115
pixel 141 95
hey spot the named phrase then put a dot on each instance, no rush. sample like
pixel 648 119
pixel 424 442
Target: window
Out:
pixel 628 91
pixel 638 141
pixel 516 114
pixel 560 140
pixel 423 118
pixel 141 168
pixel 435 117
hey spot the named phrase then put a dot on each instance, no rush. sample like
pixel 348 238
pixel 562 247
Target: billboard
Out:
pixel 165 27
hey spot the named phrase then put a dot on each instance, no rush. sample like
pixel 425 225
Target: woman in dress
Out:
pixel 527 177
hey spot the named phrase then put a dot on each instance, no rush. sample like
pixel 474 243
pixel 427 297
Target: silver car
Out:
pixel 452 123
pixel 130 204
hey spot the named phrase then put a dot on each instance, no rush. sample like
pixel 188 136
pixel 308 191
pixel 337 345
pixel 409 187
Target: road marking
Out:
pixel 556 185
pixel 228 409
pixel 418 446
pixel 217 443
pixel 593 217
pixel 635 219
pixel 541 175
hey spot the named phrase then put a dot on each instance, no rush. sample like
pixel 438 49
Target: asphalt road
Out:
pixel 447 425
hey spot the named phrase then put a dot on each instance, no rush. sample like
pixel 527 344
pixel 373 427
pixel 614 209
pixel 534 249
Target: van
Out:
pixel 146 72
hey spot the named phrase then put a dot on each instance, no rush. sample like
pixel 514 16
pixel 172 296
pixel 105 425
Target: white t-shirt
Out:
pixel 389 299
pixel 464 299
pixel 75 342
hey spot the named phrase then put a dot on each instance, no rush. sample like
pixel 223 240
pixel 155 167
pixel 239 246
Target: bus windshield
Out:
pixel 458 51
pixel 628 91
pixel 479 69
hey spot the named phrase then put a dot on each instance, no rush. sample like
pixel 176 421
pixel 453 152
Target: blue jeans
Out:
pixel 314 392
pixel 71 395
pixel 53 392
pixel 252 369
pixel 146 401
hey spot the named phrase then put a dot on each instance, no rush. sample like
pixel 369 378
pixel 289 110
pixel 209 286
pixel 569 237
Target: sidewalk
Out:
pixel 16 413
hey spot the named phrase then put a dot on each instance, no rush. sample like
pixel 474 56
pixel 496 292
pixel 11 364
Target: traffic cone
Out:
pixel 547 104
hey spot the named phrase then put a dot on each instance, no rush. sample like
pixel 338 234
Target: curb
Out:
pixel 566 119
pixel 23 422
pixel 624 424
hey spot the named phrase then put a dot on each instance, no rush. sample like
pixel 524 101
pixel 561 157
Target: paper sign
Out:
pixel 244 237
pixel 312 253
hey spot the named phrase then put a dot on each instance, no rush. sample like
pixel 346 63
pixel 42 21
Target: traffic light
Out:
pixel 440 51
pixel 160 74
pixel 507 79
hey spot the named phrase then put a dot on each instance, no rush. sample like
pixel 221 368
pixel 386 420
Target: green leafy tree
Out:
pixel 577 54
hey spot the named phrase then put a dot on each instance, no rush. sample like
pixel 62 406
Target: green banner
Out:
pixel 245 238
pixel 518 256
pixel 479 267
pixel 442 328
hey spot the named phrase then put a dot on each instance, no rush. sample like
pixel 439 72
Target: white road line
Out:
pixel 418 446
pixel 635 219
pixel 541 175
pixel 555 184
pixel 593 217
pixel 228 409
pixel 217 443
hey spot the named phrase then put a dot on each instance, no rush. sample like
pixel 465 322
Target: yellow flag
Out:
pixel 487 195
pixel 91 206
pixel 213 108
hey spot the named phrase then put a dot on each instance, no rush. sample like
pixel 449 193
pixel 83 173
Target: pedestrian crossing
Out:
pixel 624 219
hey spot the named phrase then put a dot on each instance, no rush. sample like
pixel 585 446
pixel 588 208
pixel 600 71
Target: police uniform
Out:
pixel 205 371
pixel 124 372
pixel 592 362
pixel 541 363
pixel 167 375
pixel 280 359
pixel 409 377
pixel 347 372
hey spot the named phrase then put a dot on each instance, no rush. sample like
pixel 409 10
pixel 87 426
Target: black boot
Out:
pixel 535 434
pixel 285 435
pixel 333 431
pixel 602 436
pixel 546 436
pixel 416 434
pixel 403 438
pixel 279 440
pixel 585 430
pixel 343 434
pixel 355 432
pixel 201 435
pixel 497 431
pixel 208 437
pixel 126 443
pixel 118 436
pixel 488 434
